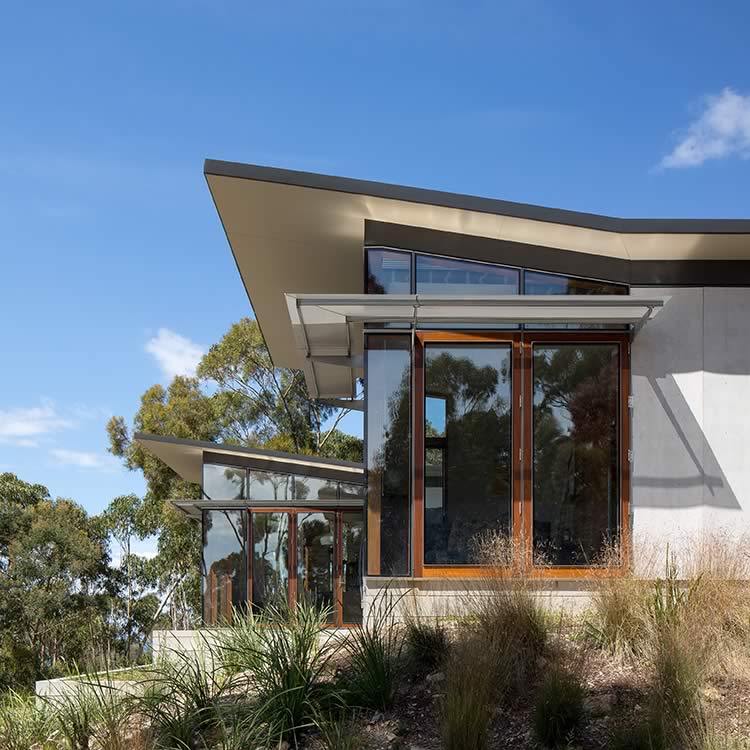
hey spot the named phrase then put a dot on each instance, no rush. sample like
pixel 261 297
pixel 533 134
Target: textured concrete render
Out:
pixel 691 387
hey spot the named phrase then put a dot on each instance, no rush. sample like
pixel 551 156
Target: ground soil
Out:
pixel 615 692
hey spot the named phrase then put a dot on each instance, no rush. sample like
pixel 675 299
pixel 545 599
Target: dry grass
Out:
pixel 469 688
pixel 689 623
pixel 509 613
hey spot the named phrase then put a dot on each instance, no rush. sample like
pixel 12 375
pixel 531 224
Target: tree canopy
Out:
pixel 239 397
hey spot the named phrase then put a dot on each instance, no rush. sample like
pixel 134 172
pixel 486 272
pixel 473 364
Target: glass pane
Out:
pixel 352 535
pixel 267 486
pixel 446 276
pixel 270 563
pixel 351 491
pixel 315 544
pixel 465 278
pixel 535 282
pixel 468 476
pixel 388 272
pixel 550 283
pixel 223 482
pixel 224 564
pixel 575 462
pixel 387 393
pixel 313 488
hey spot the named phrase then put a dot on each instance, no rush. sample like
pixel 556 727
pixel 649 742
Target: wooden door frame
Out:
pixel 522 343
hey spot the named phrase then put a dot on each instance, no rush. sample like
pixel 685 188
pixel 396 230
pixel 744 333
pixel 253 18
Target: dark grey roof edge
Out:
pixel 243 450
pixel 474 203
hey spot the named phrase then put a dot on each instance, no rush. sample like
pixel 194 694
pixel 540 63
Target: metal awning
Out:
pixel 328 328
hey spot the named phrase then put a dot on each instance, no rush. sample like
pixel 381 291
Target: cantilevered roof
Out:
pixel 304 233
pixel 186 458
pixel 327 327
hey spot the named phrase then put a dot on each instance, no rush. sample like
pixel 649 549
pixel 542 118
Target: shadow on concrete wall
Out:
pixel 675 465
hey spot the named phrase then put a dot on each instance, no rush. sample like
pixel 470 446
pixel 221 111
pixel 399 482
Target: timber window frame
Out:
pixel 522 347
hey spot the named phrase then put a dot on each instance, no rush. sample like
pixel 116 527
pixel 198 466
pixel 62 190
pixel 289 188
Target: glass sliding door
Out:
pixel 468 447
pixel 307 555
pixel 270 559
pixel 575 437
pixel 352 541
pixel 316 535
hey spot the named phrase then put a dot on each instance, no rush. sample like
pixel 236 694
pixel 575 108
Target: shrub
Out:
pixel 469 685
pixel 559 706
pixel 427 643
pixel 288 665
pixel 181 695
pixel 238 644
pixel 243 727
pixel 338 728
pixel 615 622
pixel 508 613
pixel 23 722
pixel 641 736
pixel 375 651
pixel 677 678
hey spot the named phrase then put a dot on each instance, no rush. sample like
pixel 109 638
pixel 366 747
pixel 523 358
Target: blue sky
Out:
pixel 115 270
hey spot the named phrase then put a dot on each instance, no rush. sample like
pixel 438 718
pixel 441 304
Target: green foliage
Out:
pixel 24 722
pixel 287 666
pixel 559 706
pixel 375 651
pixel 247 402
pixel 182 696
pixel 671 599
pixel 427 643
pixel 54 589
pixel 338 728
pixel 237 645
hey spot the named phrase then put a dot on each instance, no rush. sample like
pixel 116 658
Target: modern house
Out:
pixel 568 378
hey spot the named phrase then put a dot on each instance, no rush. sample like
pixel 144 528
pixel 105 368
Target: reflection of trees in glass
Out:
pixel 270 557
pixel 314 488
pixel 475 452
pixel 315 558
pixel 388 467
pixel 575 450
pixel 265 485
pixel 223 563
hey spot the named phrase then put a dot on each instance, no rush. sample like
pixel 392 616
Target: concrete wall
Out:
pixel 691 434
pixel 454 597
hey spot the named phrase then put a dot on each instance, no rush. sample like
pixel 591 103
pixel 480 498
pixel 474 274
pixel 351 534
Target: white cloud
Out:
pixel 175 354
pixel 86 460
pixel 723 129
pixel 22 425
